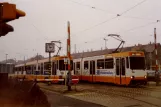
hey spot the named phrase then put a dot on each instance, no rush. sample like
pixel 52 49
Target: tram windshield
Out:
pixel 137 63
pixel 64 66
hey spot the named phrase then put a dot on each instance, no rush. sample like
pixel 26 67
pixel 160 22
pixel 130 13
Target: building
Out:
pixel 7 68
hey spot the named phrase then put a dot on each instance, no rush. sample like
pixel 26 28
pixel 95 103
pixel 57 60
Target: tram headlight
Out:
pixel 132 77
pixel 145 76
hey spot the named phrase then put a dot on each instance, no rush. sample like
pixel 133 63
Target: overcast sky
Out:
pixel 46 20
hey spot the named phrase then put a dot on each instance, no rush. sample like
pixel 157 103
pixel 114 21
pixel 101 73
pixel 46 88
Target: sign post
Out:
pixel 156 54
pixel 69 59
pixel 50 48
pixel 65 63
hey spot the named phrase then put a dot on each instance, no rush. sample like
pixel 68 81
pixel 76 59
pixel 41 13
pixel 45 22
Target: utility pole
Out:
pixel 69 59
pixel 37 65
pixel 105 42
pixel 50 63
pixel 15 60
pixel 75 48
pixel 37 62
pixel 150 60
pixel 156 72
pixel 6 58
pixel 24 64
pixel 6 62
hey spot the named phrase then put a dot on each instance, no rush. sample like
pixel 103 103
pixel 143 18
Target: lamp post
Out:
pixel 105 42
pixel 6 62
pixel 156 54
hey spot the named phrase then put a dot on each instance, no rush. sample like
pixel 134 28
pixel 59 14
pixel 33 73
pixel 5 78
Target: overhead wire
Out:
pixel 138 27
pixel 96 25
pixel 92 7
pixel 117 15
pixel 126 30
pixel 111 18
pixel 133 7
pixel 114 13
pixel 39 31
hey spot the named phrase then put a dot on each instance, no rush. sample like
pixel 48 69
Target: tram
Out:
pixel 39 70
pixel 123 68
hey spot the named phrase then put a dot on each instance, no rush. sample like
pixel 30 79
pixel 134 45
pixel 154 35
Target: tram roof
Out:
pixel 147 48
pixel 42 60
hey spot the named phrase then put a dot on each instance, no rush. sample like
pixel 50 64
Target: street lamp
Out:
pixel 15 60
pixel 6 58
pixel 6 62
pixel 105 42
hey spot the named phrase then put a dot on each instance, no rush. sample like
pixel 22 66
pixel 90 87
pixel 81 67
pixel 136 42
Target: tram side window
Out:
pixel 61 65
pixel 29 68
pixel 78 65
pixel 38 66
pixel 85 64
pixel 117 66
pixel 109 63
pixel 123 66
pixel 46 65
pixel 72 66
pixel 127 62
pixel 23 68
pixel 42 68
pixel 100 64
pixel 34 67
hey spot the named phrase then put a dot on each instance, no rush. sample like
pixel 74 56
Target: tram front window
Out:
pixel 64 66
pixel 137 63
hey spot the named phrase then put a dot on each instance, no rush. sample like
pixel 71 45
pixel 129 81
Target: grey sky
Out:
pixel 46 20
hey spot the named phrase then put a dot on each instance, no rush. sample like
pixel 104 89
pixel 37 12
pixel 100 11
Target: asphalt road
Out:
pixel 58 100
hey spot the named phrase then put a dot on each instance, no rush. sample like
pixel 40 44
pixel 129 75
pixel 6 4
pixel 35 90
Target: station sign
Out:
pixel 50 47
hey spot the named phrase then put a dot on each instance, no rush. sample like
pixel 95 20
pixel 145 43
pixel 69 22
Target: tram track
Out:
pixel 129 93
pixel 117 93
pixel 126 92
pixel 137 91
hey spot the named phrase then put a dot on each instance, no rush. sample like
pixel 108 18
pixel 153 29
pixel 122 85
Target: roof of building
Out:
pixel 147 48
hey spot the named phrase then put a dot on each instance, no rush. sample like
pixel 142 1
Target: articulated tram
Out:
pixel 124 68
pixel 39 70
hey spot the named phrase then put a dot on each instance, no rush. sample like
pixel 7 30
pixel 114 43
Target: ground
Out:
pixel 58 100
pixel 16 93
pixel 111 96
pixel 22 93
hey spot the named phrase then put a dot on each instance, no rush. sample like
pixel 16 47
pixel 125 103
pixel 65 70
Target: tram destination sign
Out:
pixel 50 47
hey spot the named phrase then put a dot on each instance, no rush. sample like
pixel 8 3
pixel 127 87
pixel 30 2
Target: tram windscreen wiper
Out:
pixel 137 63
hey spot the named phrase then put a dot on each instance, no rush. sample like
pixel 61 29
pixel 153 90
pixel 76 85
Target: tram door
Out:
pixel 53 68
pixel 120 71
pixel 92 71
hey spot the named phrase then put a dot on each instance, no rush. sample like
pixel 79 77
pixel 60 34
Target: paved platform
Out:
pixel 112 96
pixel 59 100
